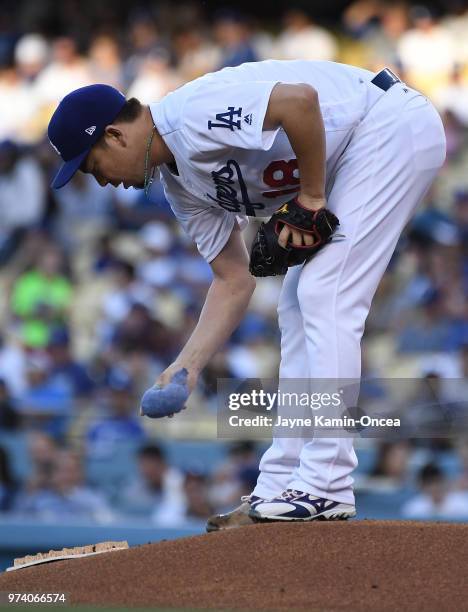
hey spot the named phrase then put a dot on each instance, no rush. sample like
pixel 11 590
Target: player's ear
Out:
pixel 113 134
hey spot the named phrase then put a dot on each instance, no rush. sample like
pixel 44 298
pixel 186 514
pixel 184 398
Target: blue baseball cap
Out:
pixel 79 122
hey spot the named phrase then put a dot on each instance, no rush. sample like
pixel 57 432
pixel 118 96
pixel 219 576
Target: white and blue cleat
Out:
pixel 297 506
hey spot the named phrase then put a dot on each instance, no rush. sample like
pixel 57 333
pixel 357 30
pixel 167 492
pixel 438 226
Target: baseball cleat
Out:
pixel 298 506
pixel 239 517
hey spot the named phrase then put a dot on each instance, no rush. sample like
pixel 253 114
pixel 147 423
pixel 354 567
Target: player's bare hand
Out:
pixel 294 237
pixel 180 382
pixel 165 377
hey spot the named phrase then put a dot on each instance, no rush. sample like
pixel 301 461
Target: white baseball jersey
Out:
pixel 227 165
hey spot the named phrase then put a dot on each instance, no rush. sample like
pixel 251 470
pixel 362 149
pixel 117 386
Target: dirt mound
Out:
pixel 360 565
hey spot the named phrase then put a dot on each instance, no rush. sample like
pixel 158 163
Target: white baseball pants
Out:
pixel 389 164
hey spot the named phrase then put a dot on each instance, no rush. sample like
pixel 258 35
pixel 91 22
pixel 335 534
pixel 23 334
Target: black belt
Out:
pixel 385 79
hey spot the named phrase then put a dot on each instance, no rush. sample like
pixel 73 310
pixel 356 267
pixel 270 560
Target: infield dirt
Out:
pixel 354 566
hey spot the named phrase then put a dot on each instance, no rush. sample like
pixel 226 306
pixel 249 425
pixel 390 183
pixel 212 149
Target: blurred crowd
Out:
pixel 61 485
pixel 100 288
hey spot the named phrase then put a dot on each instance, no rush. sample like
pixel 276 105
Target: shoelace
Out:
pixel 288 495
pixel 291 495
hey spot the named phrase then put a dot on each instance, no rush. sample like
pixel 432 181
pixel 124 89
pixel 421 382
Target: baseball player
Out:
pixel 338 145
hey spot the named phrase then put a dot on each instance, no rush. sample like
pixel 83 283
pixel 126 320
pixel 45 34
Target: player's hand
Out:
pixel 165 377
pixel 295 237
pixel 170 392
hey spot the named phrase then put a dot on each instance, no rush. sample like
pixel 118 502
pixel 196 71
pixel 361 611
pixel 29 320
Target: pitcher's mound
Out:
pixel 361 565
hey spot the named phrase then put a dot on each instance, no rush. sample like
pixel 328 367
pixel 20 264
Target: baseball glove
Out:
pixel 268 258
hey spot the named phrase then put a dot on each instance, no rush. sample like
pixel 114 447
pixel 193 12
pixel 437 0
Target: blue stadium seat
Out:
pixel 382 505
pixel 201 456
pixel 114 469
pixel 366 458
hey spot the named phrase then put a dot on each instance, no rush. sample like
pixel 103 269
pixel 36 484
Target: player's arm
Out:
pixel 225 304
pixel 296 109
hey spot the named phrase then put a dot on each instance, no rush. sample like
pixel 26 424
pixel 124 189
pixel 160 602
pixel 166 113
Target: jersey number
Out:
pixel 281 174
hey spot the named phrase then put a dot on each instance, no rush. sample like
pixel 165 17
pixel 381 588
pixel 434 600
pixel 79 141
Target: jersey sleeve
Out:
pixel 220 115
pixel 209 227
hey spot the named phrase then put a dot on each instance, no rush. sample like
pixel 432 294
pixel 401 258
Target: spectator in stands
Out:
pixel 85 206
pixel 453 97
pixel 120 422
pixel 67 71
pixel 22 196
pixel 460 387
pixel 43 451
pixel 64 370
pixel 105 64
pixel 461 219
pixel 47 403
pixel 66 496
pixel 127 290
pixel 427 51
pixel 8 485
pixel 432 225
pixel 251 355
pixel 301 38
pixel 9 418
pixel 194 275
pixel 157 491
pixel 455 134
pixel 231 479
pixel 144 40
pixel 17 105
pixel 197 505
pixel 232 33
pixel 456 24
pixel 158 269
pixel 195 54
pixel 382 40
pixel 430 330
pixel 31 55
pixel 462 450
pixel 13 365
pixel 359 17
pixel 435 500
pixel 139 331
pixel 390 470
pixel 431 413
pixel 155 78
pixel 217 368
pixel 105 258
pixel 133 209
pixel 41 298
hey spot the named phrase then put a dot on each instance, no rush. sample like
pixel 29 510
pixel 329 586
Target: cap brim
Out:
pixel 67 171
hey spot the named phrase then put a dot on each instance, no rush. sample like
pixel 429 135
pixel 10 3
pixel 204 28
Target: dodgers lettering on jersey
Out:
pixel 230 167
